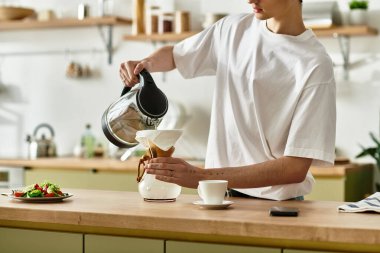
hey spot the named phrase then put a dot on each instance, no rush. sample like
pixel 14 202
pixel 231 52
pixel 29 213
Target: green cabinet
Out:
pixel 191 247
pixel 331 189
pixel 35 241
pixel 116 244
pixel 353 185
pixel 13 240
pixel 304 251
pixel 83 179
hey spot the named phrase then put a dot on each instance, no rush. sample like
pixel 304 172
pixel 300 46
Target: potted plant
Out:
pixel 374 152
pixel 358 12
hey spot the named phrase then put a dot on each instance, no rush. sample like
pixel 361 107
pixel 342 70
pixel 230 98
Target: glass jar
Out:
pixel 166 22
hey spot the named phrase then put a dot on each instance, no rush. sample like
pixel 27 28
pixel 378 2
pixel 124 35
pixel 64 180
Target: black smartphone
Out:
pixel 283 211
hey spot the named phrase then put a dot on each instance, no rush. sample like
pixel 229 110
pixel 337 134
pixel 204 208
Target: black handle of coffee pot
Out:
pixel 151 101
pixel 125 90
pixel 147 80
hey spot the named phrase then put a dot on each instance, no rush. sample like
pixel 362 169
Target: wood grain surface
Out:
pixel 247 221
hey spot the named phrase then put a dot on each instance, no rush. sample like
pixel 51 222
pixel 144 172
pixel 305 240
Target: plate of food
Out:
pixel 45 192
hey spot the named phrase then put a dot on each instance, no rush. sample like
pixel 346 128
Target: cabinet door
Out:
pixel 191 247
pixel 305 251
pixel 358 184
pixel 355 185
pixel 331 189
pixel 113 244
pixel 35 241
pixel 83 179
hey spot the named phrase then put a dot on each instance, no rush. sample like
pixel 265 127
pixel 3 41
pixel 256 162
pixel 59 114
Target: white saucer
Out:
pixel 225 204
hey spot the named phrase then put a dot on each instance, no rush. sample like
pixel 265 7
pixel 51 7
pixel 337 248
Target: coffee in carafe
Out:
pixel 158 143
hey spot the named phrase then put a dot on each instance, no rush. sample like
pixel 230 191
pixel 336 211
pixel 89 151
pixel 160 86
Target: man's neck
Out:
pixel 291 28
pixel 290 23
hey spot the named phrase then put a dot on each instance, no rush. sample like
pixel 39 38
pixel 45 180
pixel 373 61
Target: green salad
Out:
pixel 46 189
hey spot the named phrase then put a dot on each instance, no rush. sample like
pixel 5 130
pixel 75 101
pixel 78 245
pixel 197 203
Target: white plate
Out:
pixel 39 199
pixel 225 204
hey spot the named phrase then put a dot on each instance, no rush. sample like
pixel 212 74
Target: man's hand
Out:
pixel 175 170
pixel 160 61
pixel 130 70
pixel 284 170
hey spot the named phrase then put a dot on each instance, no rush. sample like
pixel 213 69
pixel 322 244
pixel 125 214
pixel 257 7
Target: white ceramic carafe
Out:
pixel 152 189
pixel 149 187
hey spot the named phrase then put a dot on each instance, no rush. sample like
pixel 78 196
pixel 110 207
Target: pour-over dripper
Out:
pixel 164 139
pixel 159 143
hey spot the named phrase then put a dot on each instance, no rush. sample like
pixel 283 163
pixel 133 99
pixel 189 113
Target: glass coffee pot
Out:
pixel 140 108
pixel 158 143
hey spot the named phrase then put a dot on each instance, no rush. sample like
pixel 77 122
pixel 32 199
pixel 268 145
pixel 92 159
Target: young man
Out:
pixel 273 111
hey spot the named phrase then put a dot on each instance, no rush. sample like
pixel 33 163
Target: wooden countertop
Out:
pixel 339 170
pixel 74 163
pixel 246 222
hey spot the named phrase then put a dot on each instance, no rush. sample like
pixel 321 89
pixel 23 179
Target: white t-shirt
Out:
pixel 274 97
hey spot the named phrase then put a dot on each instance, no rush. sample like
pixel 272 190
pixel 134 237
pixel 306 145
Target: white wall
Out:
pixel 69 104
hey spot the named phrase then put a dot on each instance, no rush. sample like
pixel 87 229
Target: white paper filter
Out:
pixel 164 139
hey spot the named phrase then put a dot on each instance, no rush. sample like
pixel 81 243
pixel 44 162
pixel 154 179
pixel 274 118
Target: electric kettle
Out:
pixel 139 108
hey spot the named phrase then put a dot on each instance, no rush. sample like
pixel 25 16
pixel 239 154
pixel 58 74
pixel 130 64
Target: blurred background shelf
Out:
pixel 321 32
pixel 99 22
pixel 362 30
pixel 165 37
pixel 63 23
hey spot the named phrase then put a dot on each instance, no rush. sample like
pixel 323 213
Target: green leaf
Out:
pixel 355 4
pixel 368 151
pixel 35 193
pixel 373 137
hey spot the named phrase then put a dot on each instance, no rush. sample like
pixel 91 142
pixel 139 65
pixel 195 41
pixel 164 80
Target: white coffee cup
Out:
pixel 212 191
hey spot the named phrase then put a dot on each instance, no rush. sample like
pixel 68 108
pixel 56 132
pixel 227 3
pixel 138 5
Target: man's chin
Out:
pixel 260 16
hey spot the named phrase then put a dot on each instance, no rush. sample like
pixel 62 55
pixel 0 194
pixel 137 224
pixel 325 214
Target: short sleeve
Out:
pixel 197 55
pixel 312 132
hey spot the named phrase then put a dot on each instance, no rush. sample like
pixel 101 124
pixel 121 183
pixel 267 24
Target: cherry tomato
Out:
pixel 49 195
pixel 19 194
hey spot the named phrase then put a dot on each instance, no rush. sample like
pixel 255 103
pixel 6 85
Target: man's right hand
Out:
pixel 130 70
pixel 160 61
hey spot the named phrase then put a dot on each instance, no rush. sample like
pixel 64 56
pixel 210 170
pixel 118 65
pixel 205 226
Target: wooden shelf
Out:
pixel 166 37
pixel 63 23
pixel 320 32
pixel 346 31
pixel 108 22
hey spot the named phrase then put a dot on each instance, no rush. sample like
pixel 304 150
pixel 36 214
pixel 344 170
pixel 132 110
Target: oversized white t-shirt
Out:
pixel 274 97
